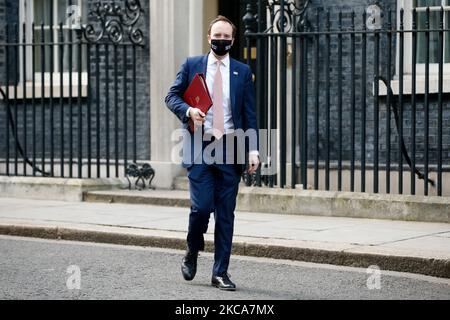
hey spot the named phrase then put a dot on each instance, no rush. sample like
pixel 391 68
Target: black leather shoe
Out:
pixel 223 282
pixel 189 265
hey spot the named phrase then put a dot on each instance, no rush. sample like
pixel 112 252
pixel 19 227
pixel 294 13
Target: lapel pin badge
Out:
pixel 235 73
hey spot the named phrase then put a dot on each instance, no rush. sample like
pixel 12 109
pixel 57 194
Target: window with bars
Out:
pixel 421 20
pixel 47 16
pixel 435 8
pixel 419 78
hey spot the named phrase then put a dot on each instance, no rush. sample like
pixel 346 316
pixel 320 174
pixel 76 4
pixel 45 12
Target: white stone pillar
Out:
pixel 168 46
pixel 176 32
pixel 196 32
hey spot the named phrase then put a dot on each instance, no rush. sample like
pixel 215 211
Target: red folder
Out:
pixel 197 96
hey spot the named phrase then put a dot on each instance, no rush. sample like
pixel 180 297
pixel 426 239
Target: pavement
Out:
pixel 414 247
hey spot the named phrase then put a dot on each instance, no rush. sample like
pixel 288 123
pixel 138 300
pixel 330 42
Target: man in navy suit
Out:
pixel 214 184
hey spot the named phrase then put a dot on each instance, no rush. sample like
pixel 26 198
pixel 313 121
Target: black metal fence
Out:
pixel 359 96
pixel 60 103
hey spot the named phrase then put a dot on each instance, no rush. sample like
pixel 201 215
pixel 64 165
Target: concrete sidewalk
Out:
pixel 417 247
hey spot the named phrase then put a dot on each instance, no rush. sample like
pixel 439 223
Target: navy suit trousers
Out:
pixel 213 188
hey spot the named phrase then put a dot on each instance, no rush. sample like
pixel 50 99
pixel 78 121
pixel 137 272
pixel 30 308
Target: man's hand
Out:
pixel 253 163
pixel 197 116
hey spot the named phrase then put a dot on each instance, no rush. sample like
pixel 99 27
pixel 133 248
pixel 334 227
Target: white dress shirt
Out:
pixel 210 75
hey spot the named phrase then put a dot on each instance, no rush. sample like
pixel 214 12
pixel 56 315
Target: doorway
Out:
pixel 235 10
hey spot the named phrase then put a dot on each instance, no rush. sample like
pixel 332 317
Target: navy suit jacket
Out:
pixel 242 99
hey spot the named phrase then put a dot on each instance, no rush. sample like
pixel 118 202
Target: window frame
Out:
pixel 407 58
pixel 433 82
pixel 26 15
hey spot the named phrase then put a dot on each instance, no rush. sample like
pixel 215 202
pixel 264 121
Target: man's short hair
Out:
pixel 224 19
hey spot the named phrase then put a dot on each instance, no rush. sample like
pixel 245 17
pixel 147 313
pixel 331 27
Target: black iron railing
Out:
pixel 77 125
pixel 335 84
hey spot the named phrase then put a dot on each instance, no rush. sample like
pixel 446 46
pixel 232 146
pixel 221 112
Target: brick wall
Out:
pixel 358 6
pixel 9 14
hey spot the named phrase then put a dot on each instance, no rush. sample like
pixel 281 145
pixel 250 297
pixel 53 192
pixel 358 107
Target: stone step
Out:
pixel 181 183
pixel 170 198
pixel 299 202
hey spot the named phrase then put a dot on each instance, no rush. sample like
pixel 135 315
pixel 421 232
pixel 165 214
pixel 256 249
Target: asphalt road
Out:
pixel 49 269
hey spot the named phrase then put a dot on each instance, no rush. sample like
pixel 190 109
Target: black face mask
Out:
pixel 220 47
